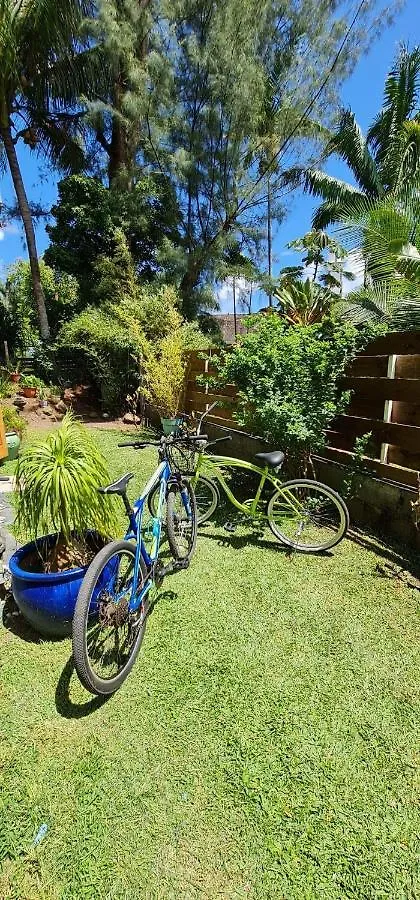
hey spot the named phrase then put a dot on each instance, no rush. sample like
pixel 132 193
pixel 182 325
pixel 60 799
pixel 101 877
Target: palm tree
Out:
pixel 386 159
pixel 314 245
pixel 387 233
pixel 38 74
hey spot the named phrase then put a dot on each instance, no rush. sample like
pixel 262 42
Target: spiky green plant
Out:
pixel 303 303
pixel 57 481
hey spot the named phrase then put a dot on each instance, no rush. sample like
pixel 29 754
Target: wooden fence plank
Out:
pixel 370 366
pixel 408 366
pixel 407 389
pixel 402 343
pixel 405 436
pixel 382 470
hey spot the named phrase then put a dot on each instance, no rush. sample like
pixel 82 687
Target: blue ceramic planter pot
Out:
pixel 46 601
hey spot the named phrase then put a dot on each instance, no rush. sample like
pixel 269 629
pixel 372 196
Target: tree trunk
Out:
pixel 235 323
pixel 25 212
pixel 189 282
pixel 269 237
pixel 118 145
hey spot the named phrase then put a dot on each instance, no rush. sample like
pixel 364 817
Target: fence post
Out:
pixel 392 360
pixel 206 372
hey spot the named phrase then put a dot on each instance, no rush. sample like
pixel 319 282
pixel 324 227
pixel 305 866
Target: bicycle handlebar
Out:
pixel 140 445
pixel 227 437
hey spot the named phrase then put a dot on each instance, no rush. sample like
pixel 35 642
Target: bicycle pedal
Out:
pixel 181 564
pixel 228 526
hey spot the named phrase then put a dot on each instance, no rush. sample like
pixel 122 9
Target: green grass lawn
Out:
pixel 264 745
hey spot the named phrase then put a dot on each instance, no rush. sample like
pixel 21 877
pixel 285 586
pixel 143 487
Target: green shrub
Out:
pixel 289 381
pixel 112 341
pixel 57 480
pixel 61 298
pixel 31 381
pixel 106 352
pixel 12 420
pixel 164 375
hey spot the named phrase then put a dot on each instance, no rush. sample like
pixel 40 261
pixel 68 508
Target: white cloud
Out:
pixel 225 293
pixel 354 263
pixel 8 229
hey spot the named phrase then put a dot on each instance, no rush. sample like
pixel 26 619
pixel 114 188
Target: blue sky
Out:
pixel 363 92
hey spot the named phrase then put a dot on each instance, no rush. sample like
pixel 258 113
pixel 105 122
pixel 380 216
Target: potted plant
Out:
pixel 31 385
pixel 60 509
pixel 14 373
pixel 15 428
pixel 42 395
pixel 163 380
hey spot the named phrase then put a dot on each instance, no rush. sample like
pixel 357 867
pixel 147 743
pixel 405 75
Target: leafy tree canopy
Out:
pixel 87 215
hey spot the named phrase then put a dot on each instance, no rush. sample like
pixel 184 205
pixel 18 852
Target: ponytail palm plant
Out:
pixel 57 481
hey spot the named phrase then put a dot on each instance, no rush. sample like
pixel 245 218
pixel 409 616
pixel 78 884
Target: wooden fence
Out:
pixel 385 385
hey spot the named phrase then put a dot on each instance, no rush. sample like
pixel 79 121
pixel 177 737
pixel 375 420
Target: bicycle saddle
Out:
pixel 117 487
pixel 274 459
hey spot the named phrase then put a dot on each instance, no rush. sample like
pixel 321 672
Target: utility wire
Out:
pixel 306 112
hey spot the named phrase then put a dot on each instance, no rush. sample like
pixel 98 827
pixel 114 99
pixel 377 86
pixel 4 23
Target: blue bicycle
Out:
pixel 111 609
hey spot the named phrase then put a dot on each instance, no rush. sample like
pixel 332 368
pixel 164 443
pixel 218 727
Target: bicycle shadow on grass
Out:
pixel 69 708
pixel 254 535
pixel 65 706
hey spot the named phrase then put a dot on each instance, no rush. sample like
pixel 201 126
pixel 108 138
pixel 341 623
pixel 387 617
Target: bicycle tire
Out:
pixel 305 484
pixel 87 675
pixel 178 522
pixel 206 507
pixel 152 500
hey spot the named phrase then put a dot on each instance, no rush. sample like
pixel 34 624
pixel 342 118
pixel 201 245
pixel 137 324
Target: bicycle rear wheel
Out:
pixel 106 635
pixel 181 519
pixel 308 516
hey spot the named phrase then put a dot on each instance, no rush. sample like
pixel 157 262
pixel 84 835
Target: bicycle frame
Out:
pixel 208 465
pixel 162 475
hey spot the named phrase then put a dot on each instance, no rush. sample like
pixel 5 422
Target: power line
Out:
pixel 306 112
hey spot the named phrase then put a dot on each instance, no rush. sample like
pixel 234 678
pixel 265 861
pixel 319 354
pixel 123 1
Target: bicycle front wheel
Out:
pixel 207 498
pixel 308 516
pixel 106 635
pixel 181 519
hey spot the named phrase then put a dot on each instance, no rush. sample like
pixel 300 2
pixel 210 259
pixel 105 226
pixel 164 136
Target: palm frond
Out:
pixel 337 195
pixel 349 143
pixel 369 304
pixel 401 97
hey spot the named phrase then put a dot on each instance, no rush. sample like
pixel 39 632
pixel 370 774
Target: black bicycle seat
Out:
pixel 117 487
pixel 273 459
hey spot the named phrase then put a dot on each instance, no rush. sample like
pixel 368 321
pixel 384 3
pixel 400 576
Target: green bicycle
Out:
pixel 303 514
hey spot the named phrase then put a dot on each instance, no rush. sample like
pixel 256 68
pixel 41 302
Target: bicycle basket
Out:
pixel 182 457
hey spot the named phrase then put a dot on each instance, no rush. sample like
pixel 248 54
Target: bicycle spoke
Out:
pixel 307 515
pixel 110 629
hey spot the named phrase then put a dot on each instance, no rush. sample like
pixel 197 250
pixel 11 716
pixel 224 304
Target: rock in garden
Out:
pixel 61 407
pixel 20 402
pixel 131 419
